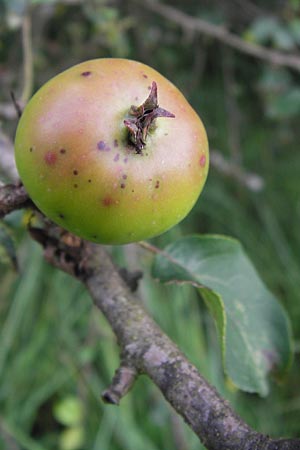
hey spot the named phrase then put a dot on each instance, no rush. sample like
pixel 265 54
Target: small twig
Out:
pixel 27 58
pixel 251 181
pixel 151 248
pixel 16 104
pixel 221 34
pixel 122 382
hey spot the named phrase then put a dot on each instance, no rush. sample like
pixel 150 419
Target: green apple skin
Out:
pixel 77 165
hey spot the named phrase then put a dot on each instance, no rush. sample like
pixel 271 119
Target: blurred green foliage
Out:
pixel 56 354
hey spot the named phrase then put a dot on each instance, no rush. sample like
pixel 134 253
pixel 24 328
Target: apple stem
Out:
pixel 142 117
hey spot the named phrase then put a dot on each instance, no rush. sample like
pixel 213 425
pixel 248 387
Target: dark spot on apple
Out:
pixel 75 185
pixel 202 160
pixel 116 143
pixel 101 145
pixel 108 201
pixel 75 172
pixel 157 184
pixel 61 216
pixel 50 158
pixel 31 149
pixel 124 176
pixel 123 185
pixel 117 157
pixel 145 76
pixel 89 181
pixel 62 151
pixel 87 73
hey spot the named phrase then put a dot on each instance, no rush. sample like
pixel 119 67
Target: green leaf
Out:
pixel 253 328
pixel 7 247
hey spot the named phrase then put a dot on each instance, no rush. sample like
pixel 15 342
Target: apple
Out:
pixel 100 157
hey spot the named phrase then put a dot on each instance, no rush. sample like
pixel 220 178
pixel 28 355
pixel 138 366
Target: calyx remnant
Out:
pixel 142 118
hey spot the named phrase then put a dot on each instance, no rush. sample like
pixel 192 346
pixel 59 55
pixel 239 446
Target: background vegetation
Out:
pixel 56 353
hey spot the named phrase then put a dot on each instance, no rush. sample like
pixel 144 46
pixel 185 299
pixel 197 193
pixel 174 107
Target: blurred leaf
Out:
pixel 266 30
pixel 7 247
pixel 69 411
pixel 253 327
pixel 283 39
pixel 294 26
pixel 285 106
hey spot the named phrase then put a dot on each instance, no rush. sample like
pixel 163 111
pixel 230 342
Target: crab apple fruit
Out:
pixel 99 156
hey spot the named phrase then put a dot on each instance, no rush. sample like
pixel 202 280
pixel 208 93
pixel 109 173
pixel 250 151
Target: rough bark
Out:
pixel 12 197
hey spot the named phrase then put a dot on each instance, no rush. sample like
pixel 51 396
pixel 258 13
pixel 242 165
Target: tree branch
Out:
pixel 221 34
pixel 12 197
pixel 145 349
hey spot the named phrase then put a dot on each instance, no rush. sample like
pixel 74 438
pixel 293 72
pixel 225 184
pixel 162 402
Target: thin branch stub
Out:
pixel 122 382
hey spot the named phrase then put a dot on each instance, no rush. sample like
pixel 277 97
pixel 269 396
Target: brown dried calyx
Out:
pixel 142 118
